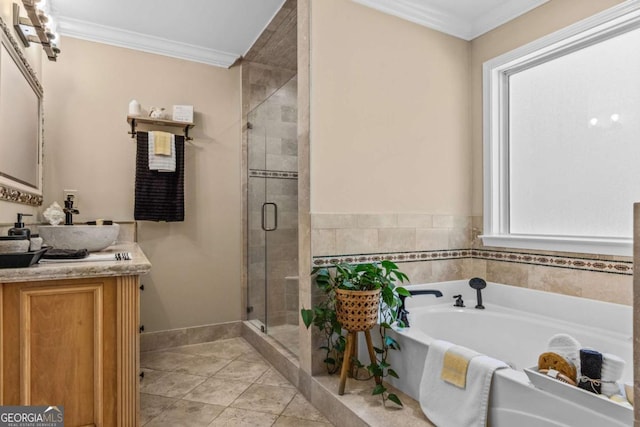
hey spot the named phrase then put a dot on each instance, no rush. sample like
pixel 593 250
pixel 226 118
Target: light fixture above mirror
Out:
pixel 38 27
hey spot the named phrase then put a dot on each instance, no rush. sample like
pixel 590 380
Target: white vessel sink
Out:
pixel 91 237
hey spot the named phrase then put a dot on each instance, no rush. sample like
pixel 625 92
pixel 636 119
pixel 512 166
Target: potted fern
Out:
pixel 357 297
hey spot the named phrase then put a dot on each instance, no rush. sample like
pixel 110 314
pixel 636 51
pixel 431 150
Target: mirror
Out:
pixel 20 125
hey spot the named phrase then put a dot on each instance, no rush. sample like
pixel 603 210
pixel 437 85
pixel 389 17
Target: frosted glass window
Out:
pixel 574 142
pixel 561 132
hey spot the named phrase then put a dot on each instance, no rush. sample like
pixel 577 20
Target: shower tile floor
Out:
pixel 219 383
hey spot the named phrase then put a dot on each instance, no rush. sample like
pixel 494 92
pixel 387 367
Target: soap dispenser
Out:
pixel 19 229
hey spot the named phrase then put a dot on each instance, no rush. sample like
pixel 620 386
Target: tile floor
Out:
pixel 220 383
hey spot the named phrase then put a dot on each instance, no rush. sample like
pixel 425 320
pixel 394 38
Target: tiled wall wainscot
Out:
pixel 432 248
pixel 382 233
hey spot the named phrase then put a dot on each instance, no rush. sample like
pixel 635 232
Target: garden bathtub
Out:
pixel 515 327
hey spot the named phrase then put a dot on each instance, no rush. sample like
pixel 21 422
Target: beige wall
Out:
pixel 195 279
pixel 389 114
pixel 550 17
pixel 35 57
pixel 396 132
pixel 397 108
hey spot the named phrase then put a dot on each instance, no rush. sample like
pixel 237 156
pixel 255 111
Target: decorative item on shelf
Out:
pixel 357 297
pixel 156 112
pixel 134 108
pixel 183 113
pixel 38 27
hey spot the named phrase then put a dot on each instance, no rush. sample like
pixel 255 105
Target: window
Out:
pixel 562 138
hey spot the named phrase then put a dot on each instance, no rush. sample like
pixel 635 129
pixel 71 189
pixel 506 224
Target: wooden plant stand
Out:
pixel 350 352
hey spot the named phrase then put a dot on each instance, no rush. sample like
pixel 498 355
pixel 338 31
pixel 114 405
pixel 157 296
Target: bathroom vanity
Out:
pixel 69 337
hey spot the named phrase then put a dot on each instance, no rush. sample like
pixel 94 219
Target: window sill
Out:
pixel 619 247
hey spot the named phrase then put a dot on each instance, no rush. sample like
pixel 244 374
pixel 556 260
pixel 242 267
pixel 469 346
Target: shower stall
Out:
pixel 272 204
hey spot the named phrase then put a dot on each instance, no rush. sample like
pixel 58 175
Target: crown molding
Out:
pixel 500 15
pixel 421 14
pixel 84 30
pixel 444 21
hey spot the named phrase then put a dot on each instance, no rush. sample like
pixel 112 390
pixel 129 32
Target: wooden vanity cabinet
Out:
pixel 73 343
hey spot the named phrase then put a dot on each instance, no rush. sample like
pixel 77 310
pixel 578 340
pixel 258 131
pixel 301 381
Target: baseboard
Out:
pixel 193 335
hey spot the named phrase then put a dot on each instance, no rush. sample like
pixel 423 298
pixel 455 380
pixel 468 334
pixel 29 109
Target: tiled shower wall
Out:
pixel 432 248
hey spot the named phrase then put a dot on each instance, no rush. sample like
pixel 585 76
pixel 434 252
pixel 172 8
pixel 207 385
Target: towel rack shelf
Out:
pixel 134 120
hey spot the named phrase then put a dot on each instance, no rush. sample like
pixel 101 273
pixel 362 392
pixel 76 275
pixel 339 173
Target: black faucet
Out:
pixel 459 302
pixel 478 284
pixel 402 311
pixel 69 210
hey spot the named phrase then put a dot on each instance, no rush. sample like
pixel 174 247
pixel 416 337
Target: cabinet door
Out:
pixel 59 347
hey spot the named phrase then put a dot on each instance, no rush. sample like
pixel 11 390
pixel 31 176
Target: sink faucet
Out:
pixel 69 210
pixel 402 311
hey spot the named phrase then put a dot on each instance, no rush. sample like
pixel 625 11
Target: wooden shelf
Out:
pixel 134 120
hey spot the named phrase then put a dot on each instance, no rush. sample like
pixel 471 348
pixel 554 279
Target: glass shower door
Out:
pixel 257 244
pixel 272 285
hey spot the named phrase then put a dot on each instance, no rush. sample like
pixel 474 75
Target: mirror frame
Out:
pixel 11 190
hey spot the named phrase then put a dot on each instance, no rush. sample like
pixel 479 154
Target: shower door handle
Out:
pixel 264 216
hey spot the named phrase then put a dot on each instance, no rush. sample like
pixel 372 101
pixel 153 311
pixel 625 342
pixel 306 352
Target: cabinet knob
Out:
pixel 141 328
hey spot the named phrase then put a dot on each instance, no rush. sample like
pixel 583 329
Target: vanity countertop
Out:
pixel 139 264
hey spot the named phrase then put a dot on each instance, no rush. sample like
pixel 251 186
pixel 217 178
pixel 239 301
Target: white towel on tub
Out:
pixel 449 406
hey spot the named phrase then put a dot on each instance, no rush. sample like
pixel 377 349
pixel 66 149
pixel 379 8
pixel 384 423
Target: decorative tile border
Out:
pixel 574 263
pixel 417 256
pixel 262 173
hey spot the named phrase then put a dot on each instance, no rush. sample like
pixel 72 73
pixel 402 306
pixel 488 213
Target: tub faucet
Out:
pixel 69 210
pixel 402 311
pixel 459 302
pixel 478 284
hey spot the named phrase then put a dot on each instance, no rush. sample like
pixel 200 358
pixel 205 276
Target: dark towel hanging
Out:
pixel 159 195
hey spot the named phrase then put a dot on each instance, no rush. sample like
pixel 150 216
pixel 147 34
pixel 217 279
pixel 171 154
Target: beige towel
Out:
pixel 455 365
pixel 162 143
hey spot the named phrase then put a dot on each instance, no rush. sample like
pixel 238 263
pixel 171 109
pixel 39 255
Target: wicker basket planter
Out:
pixel 357 310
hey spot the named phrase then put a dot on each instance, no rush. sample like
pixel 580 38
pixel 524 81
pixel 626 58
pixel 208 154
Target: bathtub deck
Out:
pixel 358 399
